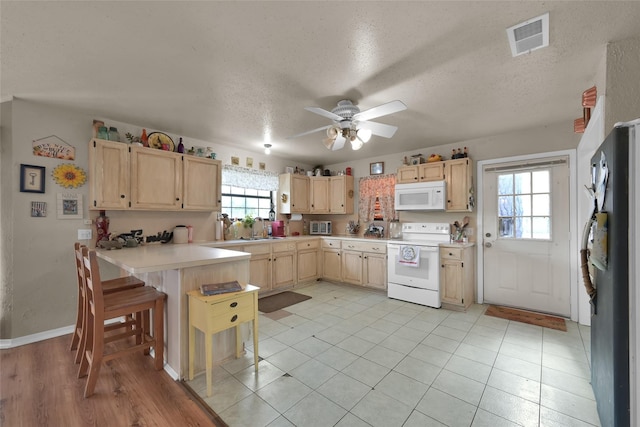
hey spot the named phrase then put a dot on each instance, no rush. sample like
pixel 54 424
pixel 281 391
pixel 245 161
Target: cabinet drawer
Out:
pixel 310 244
pixel 260 248
pixel 375 247
pixel 231 305
pixel 451 253
pixel 283 247
pixel 331 243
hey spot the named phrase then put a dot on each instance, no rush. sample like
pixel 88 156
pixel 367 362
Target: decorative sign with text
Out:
pixel 55 147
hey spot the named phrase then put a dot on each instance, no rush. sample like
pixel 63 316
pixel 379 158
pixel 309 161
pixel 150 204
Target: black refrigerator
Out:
pixel 610 254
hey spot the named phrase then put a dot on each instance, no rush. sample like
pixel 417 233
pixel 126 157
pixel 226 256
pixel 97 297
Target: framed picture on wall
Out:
pixel 376 168
pixel 32 179
pixel 69 206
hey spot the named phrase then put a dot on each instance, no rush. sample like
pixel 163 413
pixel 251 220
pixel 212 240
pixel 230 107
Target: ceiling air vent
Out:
pixel 529 35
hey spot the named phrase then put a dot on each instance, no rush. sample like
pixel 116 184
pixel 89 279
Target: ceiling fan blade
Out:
pixel 309 131
pixel 380 110
pixel 380 129
pixel 339 143
pixel 324 113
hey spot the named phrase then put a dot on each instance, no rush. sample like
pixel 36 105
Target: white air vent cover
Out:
pixel 529 35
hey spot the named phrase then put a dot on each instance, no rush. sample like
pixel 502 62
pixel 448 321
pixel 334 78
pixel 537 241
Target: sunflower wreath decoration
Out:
pixel 69 176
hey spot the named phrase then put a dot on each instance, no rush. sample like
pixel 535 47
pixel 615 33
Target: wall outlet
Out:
pixel 469 231
pixel 84 234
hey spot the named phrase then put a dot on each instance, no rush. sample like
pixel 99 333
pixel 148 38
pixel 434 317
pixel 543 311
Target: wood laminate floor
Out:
pixel 39 387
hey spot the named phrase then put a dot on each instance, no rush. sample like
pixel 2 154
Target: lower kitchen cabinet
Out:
pixel 374 269
pixel 352 267
pixel 259 265
pixel 308 263
pixel 361 263
pixel 457 276
pixel 283 257
pixel 331 260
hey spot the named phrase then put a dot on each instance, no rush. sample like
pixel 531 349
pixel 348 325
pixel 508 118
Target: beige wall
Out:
pixel 623 84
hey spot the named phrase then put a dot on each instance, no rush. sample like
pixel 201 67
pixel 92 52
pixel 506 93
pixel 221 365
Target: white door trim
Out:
pixel 574 232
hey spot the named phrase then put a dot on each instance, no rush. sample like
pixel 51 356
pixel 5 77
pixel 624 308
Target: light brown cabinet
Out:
pixel 419 173
pixel 283 256
pixel 457 276
pixel 319 189
pixel 458 177
pixel 352 267
pixel 308 260
pixel 355 262
pixel 341 194
pixel 131 177
pixel 374 270
pixel 293 194
pixel 331 260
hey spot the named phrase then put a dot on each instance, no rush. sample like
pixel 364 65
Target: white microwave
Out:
pixel 421 196
pixel 320 227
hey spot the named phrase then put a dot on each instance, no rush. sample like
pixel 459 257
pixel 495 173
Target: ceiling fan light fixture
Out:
pixel 267 149
pixel 356 144
pixel 328 142
pixel 364 135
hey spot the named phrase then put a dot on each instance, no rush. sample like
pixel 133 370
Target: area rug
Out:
pixel 529 317
pixel 280 301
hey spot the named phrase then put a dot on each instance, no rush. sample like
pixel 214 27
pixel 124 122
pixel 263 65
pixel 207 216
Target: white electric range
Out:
pixel 413 268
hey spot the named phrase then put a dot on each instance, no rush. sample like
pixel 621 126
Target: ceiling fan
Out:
pixel 351 124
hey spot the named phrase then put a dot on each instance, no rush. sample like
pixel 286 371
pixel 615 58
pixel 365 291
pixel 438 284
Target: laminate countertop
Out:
pixel 159 257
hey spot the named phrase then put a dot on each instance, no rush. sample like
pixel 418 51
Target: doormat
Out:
pixel 529 317
pixel 279 301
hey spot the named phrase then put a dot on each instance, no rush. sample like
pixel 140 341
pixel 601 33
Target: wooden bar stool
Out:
pixel 108 286
pixel 139 301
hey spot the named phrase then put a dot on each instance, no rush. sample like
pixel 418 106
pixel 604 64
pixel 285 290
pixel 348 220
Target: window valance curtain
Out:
pixel 382 187
pixel 237 176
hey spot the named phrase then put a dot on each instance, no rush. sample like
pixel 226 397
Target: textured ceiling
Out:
pixel 241 73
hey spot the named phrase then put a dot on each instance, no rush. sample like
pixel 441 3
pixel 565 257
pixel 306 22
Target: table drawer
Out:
pixel 375 247
pixel 239 303
pixel 225 321
pixel 331 243
pixel 451 253
pixel 310 244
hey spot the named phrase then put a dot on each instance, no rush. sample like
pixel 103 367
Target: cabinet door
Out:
pixel 109 175
pixel 201 183
pixel 331 265
pixel 260 271
pixel 407 174
pixel 451 281
pixel 352 267
pixel 307 265
pixel 458 178
pixel 284 269
pixel 319 194
pixel 374 269
pixel 341 194
pixel 156 179
pixel 299 194
pixel 431 171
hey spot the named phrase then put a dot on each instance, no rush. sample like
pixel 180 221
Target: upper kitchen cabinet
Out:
pixel 293 194
pixel 419 173
pixel 319 186
pixel 156 179
pixel 109 185
pixel 201 184
pixel 458 177
pixel 133 177
pixel 341 194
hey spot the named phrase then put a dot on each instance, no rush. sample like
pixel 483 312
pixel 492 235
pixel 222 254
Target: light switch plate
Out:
pixel 84 234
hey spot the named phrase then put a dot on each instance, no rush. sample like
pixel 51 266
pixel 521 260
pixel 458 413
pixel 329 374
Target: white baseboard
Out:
pixel 40 336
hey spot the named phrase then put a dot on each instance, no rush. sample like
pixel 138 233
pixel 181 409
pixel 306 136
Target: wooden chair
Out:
pixel 139 301
pixel 108 286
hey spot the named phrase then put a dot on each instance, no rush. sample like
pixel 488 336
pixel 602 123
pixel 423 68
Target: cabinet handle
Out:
pixel 177 199
pixel 122 196
pixel 233 304
pixel 365 258
pixel 450 254
pixel 234 318
pixel 415 178
pixel 442 266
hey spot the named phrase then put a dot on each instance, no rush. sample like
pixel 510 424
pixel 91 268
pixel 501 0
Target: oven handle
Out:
pixel 422 248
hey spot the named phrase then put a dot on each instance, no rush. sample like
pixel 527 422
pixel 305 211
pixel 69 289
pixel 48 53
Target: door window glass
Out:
pixel 524 205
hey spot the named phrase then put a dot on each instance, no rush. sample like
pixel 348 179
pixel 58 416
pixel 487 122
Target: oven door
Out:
pixel 425 275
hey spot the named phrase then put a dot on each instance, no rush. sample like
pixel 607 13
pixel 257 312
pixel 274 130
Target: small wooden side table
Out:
pixel 216 313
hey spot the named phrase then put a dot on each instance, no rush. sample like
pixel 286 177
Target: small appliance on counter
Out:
pixel 395 229
pixel 320 228
pixel 277 228
pixel 180 234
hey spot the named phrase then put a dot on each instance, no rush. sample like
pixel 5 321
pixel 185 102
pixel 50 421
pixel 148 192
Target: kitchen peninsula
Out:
pixel 176 270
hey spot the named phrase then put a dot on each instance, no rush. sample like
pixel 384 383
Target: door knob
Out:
pixel 488 244
pixel 488 235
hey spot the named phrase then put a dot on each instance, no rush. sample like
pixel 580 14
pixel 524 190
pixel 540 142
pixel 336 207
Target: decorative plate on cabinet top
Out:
pixel 156 139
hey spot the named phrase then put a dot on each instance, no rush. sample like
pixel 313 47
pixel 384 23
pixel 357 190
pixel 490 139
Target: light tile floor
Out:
pixel 353 357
